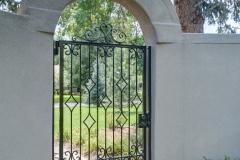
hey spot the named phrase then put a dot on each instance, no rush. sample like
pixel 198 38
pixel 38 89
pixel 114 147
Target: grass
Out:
pixel 78 113
pixel 66 97
pixel 85 131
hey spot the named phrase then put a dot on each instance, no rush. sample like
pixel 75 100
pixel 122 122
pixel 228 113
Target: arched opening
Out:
pixel 101 103
pixel 135 13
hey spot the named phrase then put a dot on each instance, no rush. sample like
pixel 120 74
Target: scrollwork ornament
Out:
pixel 118 36
pixel 101 50
pixel 105 33
pixel 66 48
pixel 133 53
pixel 110 51
pixel 75 50
pixel 70 49
pixel 140 53
pixel 136 53
pixel 104 153
pixel 105 51
pixel 71 155
pixel 140 149
pixel 134 150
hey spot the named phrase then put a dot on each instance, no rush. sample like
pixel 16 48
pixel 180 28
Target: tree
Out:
pixel 90 14
pixel 193 13
pixel 9 5
pixel 84 14
pixel 95 88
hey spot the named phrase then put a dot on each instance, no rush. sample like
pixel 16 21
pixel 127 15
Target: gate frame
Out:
pixel 144 120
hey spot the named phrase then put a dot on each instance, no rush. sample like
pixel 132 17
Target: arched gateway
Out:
pixel 135 97
pixel 138 147
pixel 119 94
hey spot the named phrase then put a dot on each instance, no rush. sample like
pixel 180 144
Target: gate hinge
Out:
pixel 144 120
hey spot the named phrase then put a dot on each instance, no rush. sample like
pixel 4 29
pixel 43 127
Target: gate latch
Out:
pixel 144 120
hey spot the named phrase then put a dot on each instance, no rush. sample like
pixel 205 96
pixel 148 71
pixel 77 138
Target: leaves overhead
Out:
pixel 219 12
pixel 85 14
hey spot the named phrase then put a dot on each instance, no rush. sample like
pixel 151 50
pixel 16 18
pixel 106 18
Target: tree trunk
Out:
pixel 190 19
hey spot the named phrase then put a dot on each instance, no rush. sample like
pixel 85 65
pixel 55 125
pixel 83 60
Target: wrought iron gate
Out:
pixel 104 103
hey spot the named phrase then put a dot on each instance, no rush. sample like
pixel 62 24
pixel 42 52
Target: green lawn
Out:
pixel 67 97
pixel 84 128
pixel 102 116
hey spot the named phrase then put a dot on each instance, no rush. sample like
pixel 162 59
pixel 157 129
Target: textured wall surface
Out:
pixel 197 98
pixel 195 84
pixel 26 90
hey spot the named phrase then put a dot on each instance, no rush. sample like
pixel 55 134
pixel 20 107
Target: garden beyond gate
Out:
pixel 104 97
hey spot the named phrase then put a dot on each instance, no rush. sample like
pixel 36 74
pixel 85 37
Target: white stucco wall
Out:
pixel 26 90
pixel 197 98
pixel 195 84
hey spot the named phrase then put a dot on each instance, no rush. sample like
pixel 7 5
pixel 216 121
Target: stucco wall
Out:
pixel 26 90
pixel 197 98
pixel 195 84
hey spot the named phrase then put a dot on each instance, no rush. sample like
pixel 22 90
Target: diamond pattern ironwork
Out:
pixel 137 101
pixel 71 104
pixel 89 87
pixel 121 83
pixel 121 120
pixel 105 102
pixel 89 121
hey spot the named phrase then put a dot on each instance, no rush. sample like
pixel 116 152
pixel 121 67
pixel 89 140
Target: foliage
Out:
pixel 127 68
pixel 66 92
pixel 219 12
pixel 94 87
pixel 83 14
pixel 90 14
pixel 9 5
pixel 93 133
pixel 113 124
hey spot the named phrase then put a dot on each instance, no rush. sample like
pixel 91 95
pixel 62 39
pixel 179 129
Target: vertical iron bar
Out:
pixel 113 113
pixel 121 101
pixel 97 104
pixel 136 92
pixel 105 89
pixel 61 102
pixel 89 99
pixel 144 100
pixel 71 111
pixel 129 104
pixel 149 102
pixel 80 88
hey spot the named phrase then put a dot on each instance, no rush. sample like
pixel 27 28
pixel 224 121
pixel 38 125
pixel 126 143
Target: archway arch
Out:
pixel 158 19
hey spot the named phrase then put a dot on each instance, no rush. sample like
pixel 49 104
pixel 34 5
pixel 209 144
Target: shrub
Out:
pixel 66 92
pixel 117 121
